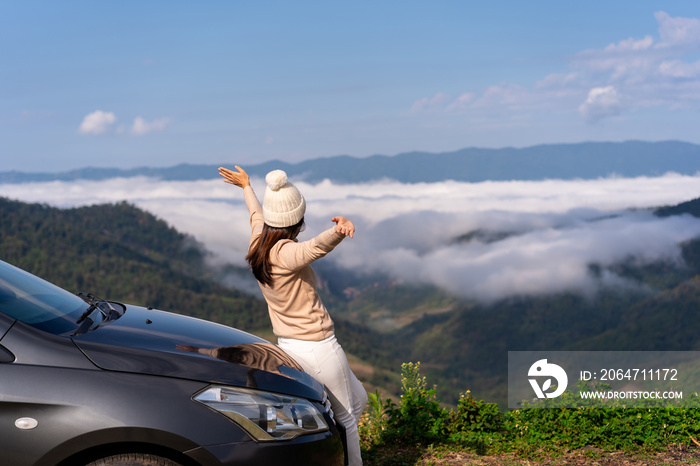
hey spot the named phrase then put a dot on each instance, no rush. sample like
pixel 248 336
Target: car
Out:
pixel 85 381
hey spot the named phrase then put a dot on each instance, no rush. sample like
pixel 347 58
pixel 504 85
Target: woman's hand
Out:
pixel 344 226
pixel 239 178
pixel 188 348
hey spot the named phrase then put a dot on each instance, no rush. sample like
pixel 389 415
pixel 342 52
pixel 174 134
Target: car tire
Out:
pixel 133 459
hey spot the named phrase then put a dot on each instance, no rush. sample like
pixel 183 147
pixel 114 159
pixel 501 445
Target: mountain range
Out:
pixel 588 160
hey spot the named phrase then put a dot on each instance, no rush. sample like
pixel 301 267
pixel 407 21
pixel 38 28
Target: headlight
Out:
pixel 265 416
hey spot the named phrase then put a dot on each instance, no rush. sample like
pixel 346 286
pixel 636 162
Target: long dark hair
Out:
pixel 259 254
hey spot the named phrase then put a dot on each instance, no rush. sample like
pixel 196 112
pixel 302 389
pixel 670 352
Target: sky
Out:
pixel 157 83
pixel 556 229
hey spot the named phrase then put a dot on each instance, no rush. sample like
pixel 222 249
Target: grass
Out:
pixel 418 431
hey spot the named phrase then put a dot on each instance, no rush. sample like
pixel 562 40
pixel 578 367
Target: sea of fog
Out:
pixel 534 236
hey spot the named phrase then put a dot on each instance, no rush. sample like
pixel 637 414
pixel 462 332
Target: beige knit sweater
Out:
pixel 296 310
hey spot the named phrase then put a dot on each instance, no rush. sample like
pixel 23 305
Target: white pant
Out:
pixel 325 361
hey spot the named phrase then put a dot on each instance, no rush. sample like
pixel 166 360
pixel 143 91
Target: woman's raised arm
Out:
pixel 344 226
pixel 239 178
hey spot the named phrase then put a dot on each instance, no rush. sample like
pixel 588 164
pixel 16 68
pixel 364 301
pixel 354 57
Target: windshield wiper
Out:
pixel 87 312
pixel 105 307
pixel 95 303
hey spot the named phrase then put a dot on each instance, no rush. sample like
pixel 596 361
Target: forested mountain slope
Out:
pixel 122 253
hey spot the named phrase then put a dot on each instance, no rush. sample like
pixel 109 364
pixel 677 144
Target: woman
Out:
pixel 301 322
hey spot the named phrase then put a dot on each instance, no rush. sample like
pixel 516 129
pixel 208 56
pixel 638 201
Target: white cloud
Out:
pixel 627 58
pixel 678 32
pixel 645 71
pixel 97 122
pixel 550 258
pixel 631 44
pixel 501 97
pixel 649 72
pixel 601 102
pixel 433 103
pixel 679 69
pixel 556 228
pixel 462 102
pixel 141 126
pixel 559 83
pixel 504 96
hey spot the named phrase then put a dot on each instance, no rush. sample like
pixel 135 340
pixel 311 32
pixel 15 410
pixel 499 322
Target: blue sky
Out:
pixel 157 83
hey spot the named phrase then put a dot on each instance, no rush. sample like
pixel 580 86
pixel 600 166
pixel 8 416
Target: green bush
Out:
pixel 418 418
pixel 476 416
pixel 538 427
pixel 476 425
pixel 374 420
pixel 617 426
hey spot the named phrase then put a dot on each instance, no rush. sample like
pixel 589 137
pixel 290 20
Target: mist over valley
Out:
pixel 452 273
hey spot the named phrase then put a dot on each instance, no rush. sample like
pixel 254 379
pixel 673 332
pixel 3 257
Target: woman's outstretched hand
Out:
pixel 239 178
pixel 344 226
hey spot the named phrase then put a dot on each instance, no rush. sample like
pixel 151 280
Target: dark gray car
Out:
pixel 86 381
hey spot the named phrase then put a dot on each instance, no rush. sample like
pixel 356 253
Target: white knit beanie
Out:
pixel 283 204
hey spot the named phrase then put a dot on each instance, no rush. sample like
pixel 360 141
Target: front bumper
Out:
pixel 324 449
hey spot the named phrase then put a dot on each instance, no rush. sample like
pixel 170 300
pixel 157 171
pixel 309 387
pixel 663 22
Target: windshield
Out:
pixel 37 302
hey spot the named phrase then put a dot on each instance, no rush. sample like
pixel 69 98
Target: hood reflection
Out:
pixel 256 356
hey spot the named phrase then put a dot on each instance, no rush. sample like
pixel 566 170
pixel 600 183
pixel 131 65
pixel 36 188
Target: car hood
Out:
pixel 153 342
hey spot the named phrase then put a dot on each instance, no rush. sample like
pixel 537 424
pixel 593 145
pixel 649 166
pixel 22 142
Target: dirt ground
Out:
pixel 572 459
pixel 680 455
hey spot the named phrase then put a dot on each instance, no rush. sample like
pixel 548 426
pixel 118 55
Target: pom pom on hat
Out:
pixel 283 204
pixel 276 179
